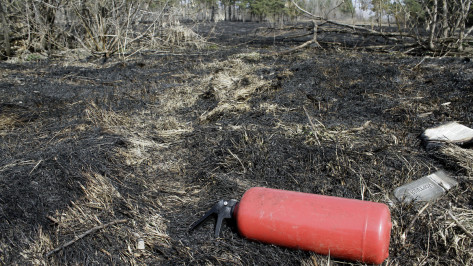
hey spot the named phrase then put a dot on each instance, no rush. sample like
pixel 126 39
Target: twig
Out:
pixel 296 48
pixel 421 61
pixel 52 219
pixel 312 126
pixel 35 166
pixel 88 232
pixel 355 129
pixel 236 157
pixel 363 127
pixel 460 225
pixel 403 236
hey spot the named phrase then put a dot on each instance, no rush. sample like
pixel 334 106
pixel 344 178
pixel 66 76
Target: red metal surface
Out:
pixel 344 228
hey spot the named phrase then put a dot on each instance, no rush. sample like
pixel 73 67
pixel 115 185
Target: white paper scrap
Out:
pixel 451 132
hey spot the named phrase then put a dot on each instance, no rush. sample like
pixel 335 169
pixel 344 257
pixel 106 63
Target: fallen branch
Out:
pixel 397 37
pixel 338 27
pixel 88 232
pixel 296 48
pixel 354 27
pixel 313 41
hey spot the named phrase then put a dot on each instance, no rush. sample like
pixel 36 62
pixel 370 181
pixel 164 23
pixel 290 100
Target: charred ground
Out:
pixel 158 139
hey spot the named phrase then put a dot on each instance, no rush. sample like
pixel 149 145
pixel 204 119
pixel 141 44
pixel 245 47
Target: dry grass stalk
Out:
pixel 224 108
pixel 459 224
pixel 316 260
pixel 411 224
pixel 154 229
pixel 314 130
pixel 15 164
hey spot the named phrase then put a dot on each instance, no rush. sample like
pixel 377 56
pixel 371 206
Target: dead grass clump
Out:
pixel 138 150
pixel 100 195
pixel 225 108
pixel 462 219
pixel 231 83
pixel 106 118
pixel 138 133
pixel 431 234
pixel 170 127
pixel 7 121
pixel 95 217
pixel 459 156
pixel 100 192
pixel 318 132
pixel 177 98
pixel 96 207
pixel 154 230
pixel 37 248
pixel 182 36
pixel 457 234
pixel 252 57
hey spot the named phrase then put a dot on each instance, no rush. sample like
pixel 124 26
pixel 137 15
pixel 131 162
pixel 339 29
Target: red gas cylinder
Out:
pixel 342 228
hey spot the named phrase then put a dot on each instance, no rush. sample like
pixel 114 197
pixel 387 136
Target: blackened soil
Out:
pixel 340 122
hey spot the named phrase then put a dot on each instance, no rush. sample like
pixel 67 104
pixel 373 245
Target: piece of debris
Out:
pixel 451 132
pixel 140 244
pixel 425 114
pixel 426 188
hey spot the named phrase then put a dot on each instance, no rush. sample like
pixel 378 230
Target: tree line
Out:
pixel 436 24
pixel 110 26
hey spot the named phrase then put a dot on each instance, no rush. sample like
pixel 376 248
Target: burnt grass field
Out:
pixel 103 153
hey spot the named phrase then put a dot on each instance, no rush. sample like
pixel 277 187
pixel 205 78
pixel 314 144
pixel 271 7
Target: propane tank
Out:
pixel 342 228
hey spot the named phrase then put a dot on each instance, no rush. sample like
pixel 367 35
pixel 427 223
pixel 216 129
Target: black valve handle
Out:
pixel 223 209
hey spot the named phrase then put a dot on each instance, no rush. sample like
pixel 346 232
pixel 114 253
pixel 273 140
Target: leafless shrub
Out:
pixel 6 31
pixel 103 28
pixel 444 23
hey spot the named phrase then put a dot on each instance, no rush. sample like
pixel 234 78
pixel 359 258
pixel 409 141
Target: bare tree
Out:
pixel 445 18
pixel 446 23
pixel 433 15
pixel 464 11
